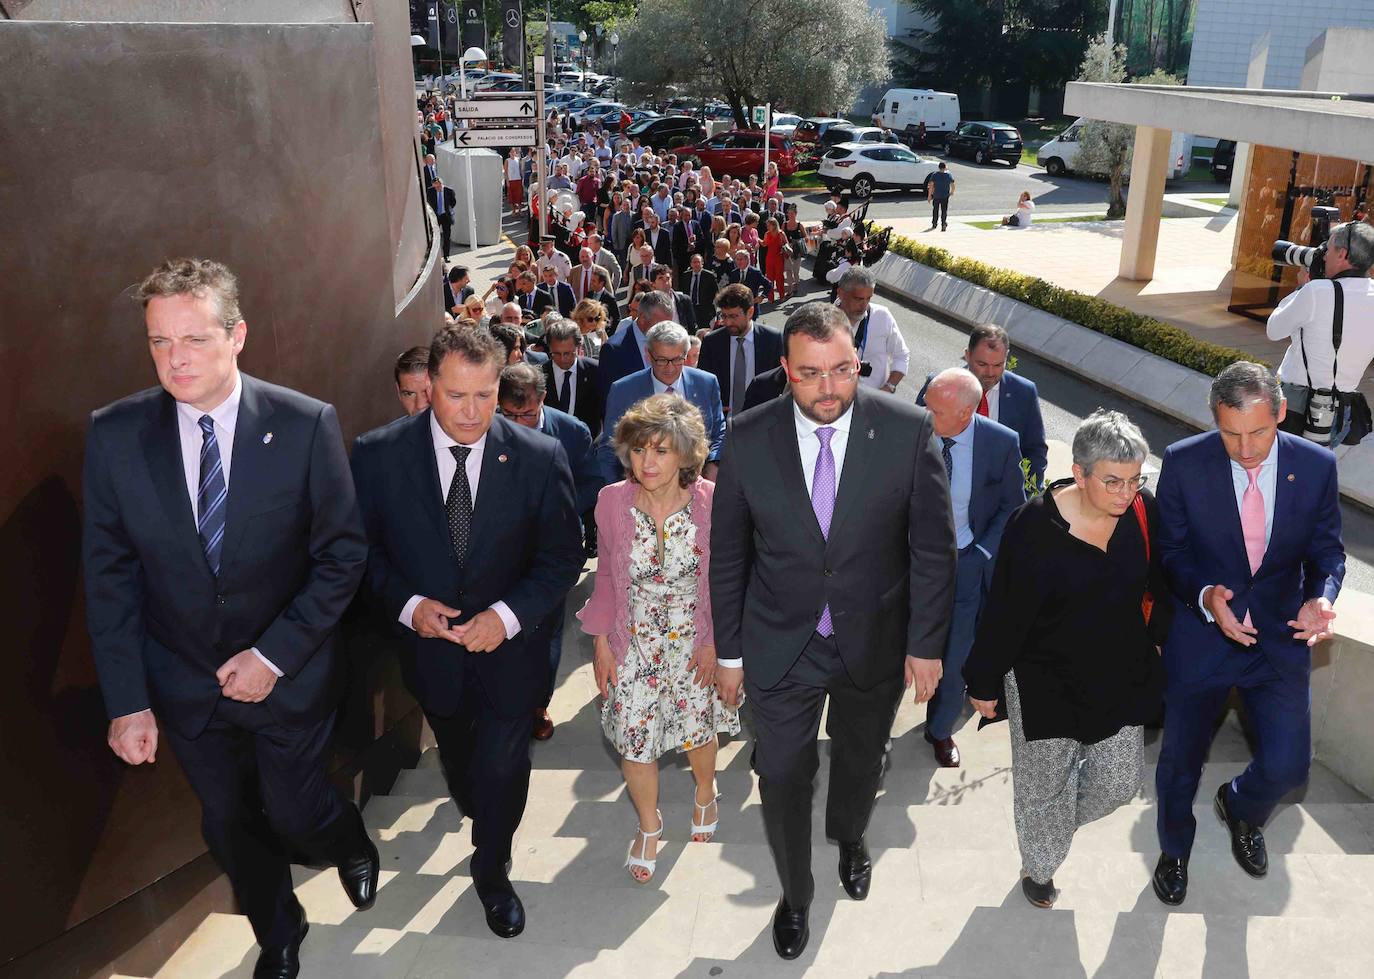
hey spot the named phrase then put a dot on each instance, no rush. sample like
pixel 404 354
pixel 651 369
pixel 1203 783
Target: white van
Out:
pixel 904 109
pixel 1057 156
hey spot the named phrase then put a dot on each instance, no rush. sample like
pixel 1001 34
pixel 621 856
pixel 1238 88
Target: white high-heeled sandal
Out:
pixel 705 830
pixel 632 861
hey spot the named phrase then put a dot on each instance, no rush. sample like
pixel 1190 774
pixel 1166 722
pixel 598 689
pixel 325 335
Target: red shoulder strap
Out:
pixel 1138 505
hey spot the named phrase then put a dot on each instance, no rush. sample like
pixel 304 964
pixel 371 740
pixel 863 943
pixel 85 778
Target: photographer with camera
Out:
pixel 883 354
pixel 1330 320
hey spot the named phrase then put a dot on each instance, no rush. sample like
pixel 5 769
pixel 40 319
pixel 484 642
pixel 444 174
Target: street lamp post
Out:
pixel 615 55
pixel 582 37
pixel 471 54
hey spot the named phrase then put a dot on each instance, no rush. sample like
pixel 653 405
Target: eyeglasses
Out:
pixel 1116 486
pixel 809 375
pixel 519 416
pixel 668 361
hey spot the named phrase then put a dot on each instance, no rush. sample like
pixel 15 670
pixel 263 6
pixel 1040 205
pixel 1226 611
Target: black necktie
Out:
pixel 948 454
pixel 565 391
pixel 738 379
pixel 458 505
pixel 696 281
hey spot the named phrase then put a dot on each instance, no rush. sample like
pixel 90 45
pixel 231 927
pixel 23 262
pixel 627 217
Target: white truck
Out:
pixel 1058 155
pixel 904 109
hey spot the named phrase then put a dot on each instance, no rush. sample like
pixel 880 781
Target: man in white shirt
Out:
pixel 883 353
pixel 1308 317
pixel 550 256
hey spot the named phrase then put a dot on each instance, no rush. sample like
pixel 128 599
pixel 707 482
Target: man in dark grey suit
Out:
pixel 222 544
pixel 832 572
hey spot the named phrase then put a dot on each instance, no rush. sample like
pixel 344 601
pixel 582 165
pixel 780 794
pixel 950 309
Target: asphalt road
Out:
pixel 991 189
pixel 1066 400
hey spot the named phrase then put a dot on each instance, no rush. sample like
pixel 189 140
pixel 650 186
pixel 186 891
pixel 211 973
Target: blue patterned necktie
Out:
pixel 212 495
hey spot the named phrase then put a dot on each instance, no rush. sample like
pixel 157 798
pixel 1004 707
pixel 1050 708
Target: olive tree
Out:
pixel 1105 148
pixel 808 55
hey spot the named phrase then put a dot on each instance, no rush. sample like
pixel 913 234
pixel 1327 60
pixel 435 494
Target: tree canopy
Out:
pixel 810 56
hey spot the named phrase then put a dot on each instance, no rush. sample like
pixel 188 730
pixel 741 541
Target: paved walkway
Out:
pixel 945 900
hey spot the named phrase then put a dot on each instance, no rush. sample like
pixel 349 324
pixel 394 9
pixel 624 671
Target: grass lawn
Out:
pixel 801 180
pixel 1215 201
pixel 1036 132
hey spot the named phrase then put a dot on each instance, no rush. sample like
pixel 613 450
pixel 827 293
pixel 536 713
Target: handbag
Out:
pixel 1147 602
pixel 1317 413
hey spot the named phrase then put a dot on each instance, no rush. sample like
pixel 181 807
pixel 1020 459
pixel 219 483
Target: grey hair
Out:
pixel 1357 238
pixel 655 300
pixel 561 329
pixel 958 380
pixel 667 333
pixel 1243 384
pixel 857 277
pixel 1108 436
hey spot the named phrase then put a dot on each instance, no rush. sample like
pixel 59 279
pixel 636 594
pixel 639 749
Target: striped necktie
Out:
pixel 212 495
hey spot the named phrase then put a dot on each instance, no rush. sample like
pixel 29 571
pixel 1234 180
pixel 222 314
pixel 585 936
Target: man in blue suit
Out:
pixel 473 542
pixel 560 294
pixel 521 399
pixel 748 275
pixel 627 351
pixel 1008 398
pixel 668 345
pixel 222 544
pixel 983 462
pixel 1250 537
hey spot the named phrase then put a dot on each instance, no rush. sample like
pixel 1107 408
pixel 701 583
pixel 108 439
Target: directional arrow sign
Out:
pixel 495 108
pixel 495 137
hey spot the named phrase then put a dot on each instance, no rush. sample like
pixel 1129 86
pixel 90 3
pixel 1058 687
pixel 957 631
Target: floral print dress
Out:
pixel 655 706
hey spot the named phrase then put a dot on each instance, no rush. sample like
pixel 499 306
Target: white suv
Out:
pixel 862 168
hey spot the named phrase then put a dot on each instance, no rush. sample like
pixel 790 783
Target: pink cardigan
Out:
pixel 607 612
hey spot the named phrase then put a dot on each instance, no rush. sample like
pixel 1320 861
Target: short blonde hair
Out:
pixel 588 309
pixel 199 277
pixel 669 420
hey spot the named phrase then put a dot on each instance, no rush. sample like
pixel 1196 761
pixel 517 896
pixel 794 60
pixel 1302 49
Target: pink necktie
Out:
pixel 1252 523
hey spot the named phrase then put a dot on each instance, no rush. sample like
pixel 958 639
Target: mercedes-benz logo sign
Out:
pixel 453 15
pixel 513 18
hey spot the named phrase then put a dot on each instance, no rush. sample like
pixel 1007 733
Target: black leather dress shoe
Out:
pixel 358 869
pixel 856 869
pixel 505 914
pixel 790 931
pixel 1170 879
pixel 283 962
pixel 946 751
pixel 1247 842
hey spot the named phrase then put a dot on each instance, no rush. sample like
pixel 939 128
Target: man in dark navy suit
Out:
pixel 443 200
pixel 1250 537
pixel 1008 398
pixel 556 295
pixel 473 542
pixel 748 275
pixel 739 350
pixel 983 460
pixel 571 381
pixel 626 352
pixel 222 544
pixel 522 400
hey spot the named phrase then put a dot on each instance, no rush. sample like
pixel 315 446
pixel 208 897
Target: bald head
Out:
pixel 952 396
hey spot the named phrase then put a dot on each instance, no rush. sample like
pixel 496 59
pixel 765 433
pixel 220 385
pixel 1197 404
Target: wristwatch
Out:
pixel 890 388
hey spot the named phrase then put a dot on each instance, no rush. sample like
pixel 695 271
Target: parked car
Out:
pixel 836 135
pixel 784 123
pixel 863 167
pixel 904 109
pixel 1223 159
pixel 740 151
pixel 984 142
pixel 558 100
pixel 508 85
pixel 605 113
pixel 1060 154
pixel 492 79
pixel 810 130
pixel 667 132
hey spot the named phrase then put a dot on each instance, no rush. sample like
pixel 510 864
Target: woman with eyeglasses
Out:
pixel 1068 644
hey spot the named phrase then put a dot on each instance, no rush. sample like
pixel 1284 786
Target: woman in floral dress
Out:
pixel 650 614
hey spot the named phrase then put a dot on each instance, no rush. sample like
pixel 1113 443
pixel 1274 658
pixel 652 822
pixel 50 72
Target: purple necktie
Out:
pixel 823 502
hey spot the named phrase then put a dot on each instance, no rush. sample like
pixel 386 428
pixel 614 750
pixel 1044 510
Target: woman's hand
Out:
pixel 704 662
pixel 603 666
pixel 988 708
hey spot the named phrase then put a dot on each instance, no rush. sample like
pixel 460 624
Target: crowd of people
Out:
pixel 773 526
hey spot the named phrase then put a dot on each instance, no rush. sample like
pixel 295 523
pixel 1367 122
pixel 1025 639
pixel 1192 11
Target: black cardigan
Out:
pixel 1066 616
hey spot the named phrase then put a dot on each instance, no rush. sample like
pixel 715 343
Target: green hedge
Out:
pixel 1145 332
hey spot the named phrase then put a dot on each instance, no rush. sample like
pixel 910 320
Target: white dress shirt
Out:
pixel 810 445
pixel 883 347
pixel 226 419
pixel 558 375
pixel 1268 483
pixel 1309 312
pixel 994 400
pixel 448 468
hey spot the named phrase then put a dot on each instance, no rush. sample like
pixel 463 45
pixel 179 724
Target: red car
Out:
pixel 739 153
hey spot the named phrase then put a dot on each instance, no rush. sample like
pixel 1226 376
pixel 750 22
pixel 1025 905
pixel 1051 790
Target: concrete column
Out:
pixel 1145 203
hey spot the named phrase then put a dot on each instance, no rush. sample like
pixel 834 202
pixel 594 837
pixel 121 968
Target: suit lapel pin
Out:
pixel 1291 477
pixel 502 457
pixel 870 433
pixel 268 438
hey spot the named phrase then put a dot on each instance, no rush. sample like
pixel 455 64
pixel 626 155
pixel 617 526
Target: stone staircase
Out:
pixel 945 900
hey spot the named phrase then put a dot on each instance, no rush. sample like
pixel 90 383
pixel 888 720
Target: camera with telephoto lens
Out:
pixel 1311 257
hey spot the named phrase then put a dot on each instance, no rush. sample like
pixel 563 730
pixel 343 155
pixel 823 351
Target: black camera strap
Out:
pixel 861 335
pixel 1337 330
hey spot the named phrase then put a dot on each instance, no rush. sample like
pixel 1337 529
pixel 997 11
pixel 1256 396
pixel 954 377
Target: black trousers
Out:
pixel 486 761
pixel 446 235
pixel 263 794
pixel 939 212
pixel 787 718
